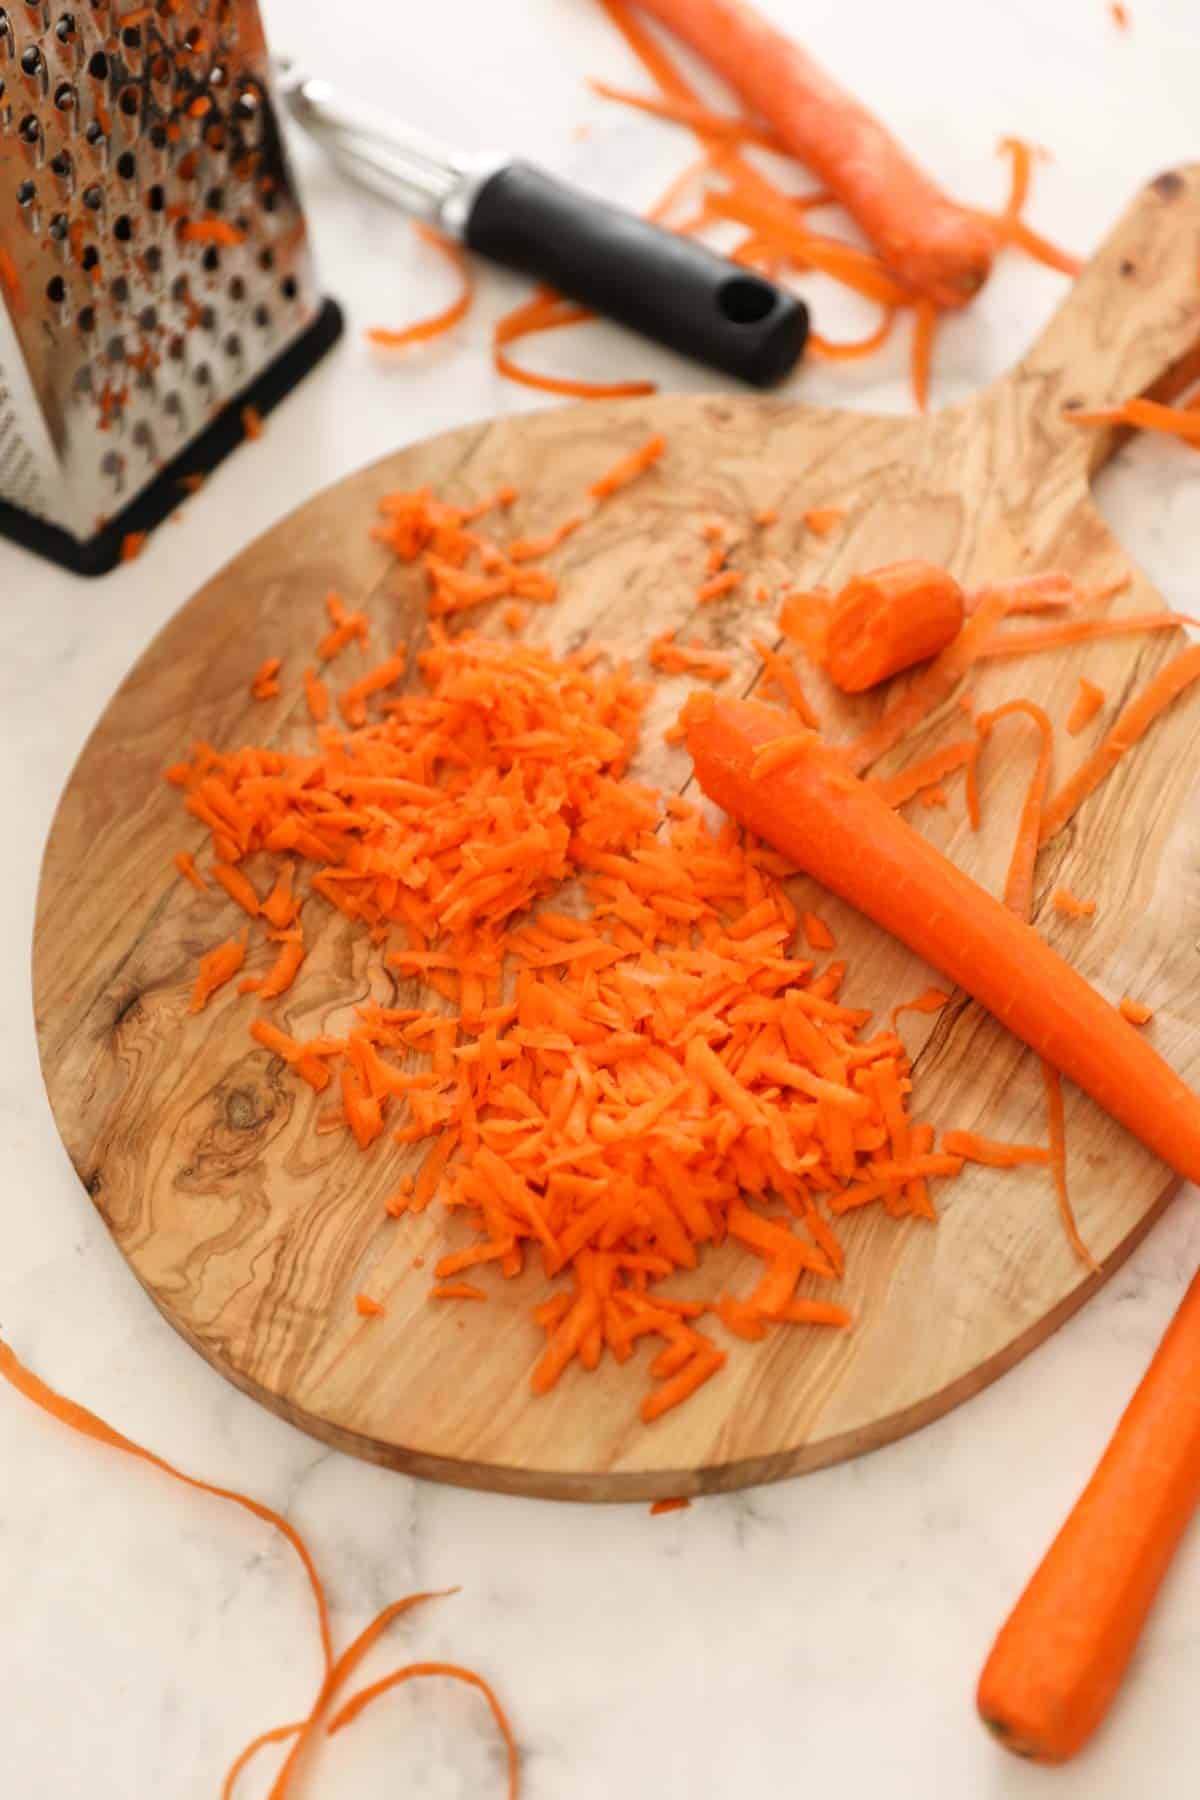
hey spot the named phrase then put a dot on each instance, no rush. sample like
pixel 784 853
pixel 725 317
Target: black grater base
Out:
pixel 100 554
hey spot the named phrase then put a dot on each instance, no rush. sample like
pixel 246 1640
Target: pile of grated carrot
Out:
pixel 602 1038
pixel 608 1038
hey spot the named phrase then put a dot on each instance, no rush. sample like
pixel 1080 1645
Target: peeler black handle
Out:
pixel 666 287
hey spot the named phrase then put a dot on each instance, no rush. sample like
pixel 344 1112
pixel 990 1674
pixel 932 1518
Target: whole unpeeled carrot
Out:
pixel 889 619
pixel 833 827
pixel 1057 1664
pixel 936 246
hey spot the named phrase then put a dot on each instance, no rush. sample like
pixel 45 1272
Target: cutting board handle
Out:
pixel 1130 324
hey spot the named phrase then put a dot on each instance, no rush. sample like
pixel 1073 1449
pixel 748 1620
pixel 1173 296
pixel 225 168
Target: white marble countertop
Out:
pixel 820 1635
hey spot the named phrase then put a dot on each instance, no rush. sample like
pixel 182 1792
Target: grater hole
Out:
pixel 131 37
pixel 30 131
pixel 202 375
pixel 33 63
pixel 123 229
pixel 59 227
pixel 153 259
pixel 115 349
pixel 233 345
pixel 90 259
pixel 158 136
pixel 120 291
pixel 216 137
pixel 208 320
pixel 66 30
pixel 87 320
pixel 56 290
pixel 176 349
pixel 210 262
pixel 27 193
pixel 148 318
pixel 156 197
pixel 173 405
pixel 127 165
pixel 266 260
pixel 61 166
pixel 65 97
pixel 160 69
pixel 214 200
pixel 93 197
pixel 94 134
pixel 130 102
pixel 262 317
pixel 289 287
pixel 98 66
pixel 83 381
pixel 237 290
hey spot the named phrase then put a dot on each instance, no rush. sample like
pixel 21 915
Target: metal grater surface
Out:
pixel 153 252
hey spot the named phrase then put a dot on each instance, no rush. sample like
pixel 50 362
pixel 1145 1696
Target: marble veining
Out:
pixel 821 1635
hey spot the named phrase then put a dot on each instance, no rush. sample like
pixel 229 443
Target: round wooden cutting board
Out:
pixel 253 1234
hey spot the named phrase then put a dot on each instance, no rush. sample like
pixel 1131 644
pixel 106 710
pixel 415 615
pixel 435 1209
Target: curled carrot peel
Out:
pixel 1142 415
pixel 925 320
pixel 1133 722
pixel 973 1148
pixel 1018 887
pixel 427 329
pixel 885 621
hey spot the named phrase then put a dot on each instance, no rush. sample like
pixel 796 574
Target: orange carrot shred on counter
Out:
pixel 216 968
pixel 132 545
pixel 1135 719
pixel 778 672
pixel 237 887
pixel 1142 415
pixel 717 586
pixel 677 1504
pixel 316 696
pixel 264 685
pixel 629 468
pixel 885 621
pixel 1086 705
pixel 427 329
pixel 1066 903
pixel 187 868
pixel 930 1001
pixel 973 1148
pixel 823 519
pixel 1135 1011
pixel 547 313
pixel 458 1290
pixel 817 934
pixel 367 1307
pixel 682 659
pixel 252 424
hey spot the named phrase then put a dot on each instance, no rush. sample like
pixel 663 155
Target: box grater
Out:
pixel 155 274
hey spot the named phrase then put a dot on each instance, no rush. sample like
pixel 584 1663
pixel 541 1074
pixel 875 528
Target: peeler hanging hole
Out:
pixel 745 301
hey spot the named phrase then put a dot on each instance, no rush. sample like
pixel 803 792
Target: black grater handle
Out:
pixel 668 288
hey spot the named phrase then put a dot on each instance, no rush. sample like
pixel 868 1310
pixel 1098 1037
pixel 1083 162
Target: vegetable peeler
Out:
pixel 664 286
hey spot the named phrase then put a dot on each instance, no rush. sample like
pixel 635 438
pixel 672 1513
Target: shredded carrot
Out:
pixel 132 545
pixel 237 887
pixel 264 685
pixel 925 321
pixel 1058 1163
pixel 930 1001
pixel 826 350
pixel 1077 631
pixel 369 1309
pixel 629 468
pixel 1018 887
pixel 216 968
pixel 1065 902
pixel 777 670
pixel 458 1290
pixel 699 118
pixel 427 329
pixel 1086 705
pixel 1142 415
pixel 252 423
pixel 659 1507
pixel 1135 1011
pixel 682 659
pixel 717 586
pixel 823 519
pixel 211 230
pixel 973 1148
pixel 1131 725
pixel 817 934
pixel 927 772
pixel 316 696
pixel 189 871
